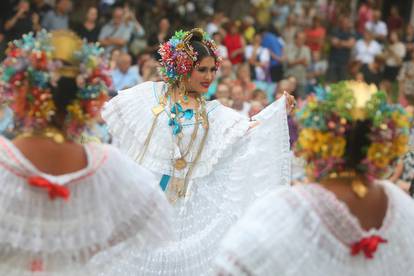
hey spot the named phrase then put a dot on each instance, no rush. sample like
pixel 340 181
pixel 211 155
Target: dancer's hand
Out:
pixel 290 102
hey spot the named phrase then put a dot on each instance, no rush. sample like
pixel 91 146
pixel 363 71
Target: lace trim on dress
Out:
pixel 337 217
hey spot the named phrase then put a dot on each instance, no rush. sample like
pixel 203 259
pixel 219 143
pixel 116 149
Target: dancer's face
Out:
pixel 202 75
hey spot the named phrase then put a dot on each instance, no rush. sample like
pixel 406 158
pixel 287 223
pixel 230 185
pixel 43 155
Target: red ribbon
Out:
pixel 54 190
pixel 367 245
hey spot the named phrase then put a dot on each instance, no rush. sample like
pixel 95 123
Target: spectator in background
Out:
pixel 406 81
pixel 223 94
pixel 290 30
pixel 304 19
pixel 58 18
pixel 137 41
pixel 221 48
pixel 284 85
pixel 234 43
pixel 394 55
pixel 280 12
pixel 367 48
pixel 226 70
pixel 142 59
pixel 364 15
pixel 377 26
pixel 315 35
pixel 21 21
pixel 372 71
pixel 243 79
pixel 261 97
pixel 258 58
pixel 408 41
pixel 248 29
pixel 41 8
pixel 162 35
pixel 316 72
pixel 274 44
pixel 213 26
pixel 298 58
pixel 113 60
pixel 395 21
pixel 89 29
pixel 125 75
pixel 239 100
pixel 150 70
pixel 342 42
pixel 115 34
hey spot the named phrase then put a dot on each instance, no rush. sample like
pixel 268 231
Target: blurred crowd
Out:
pixel 269 47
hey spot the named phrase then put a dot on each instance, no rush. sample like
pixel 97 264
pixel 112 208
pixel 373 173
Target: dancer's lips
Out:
pixel 205 84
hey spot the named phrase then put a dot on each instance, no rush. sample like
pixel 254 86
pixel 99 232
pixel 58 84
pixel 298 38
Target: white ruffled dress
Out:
pixel 306 230
pixel 237 166
pixel 111 200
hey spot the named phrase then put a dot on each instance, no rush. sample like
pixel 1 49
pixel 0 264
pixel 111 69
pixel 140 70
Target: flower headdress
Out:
pixel 34 64
pixel 324 120
pixel 178 57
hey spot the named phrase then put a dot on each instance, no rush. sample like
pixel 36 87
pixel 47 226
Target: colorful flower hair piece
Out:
pixel 30 70
pixel 94 82
pixel 25 79
pixel 324 120
pixel 178 57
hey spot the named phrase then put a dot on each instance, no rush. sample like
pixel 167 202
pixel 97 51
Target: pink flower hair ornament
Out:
pixel 178 57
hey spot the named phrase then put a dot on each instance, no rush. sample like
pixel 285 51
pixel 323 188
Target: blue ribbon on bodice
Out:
pixel 178 112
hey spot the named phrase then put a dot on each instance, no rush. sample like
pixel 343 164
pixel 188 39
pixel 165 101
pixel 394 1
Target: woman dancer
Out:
pixel 345 222
pixel 211 161
pixel 62 202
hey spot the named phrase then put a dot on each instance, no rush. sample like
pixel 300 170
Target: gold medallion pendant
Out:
pixel 359 188
pixel 180 164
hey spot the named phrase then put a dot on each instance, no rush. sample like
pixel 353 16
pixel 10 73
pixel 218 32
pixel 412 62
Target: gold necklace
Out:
pixel 50 132
pixel 181 163
pixel 357 185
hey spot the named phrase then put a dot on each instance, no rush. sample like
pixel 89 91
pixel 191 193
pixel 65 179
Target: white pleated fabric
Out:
pixel 237 166
pixel 112 200
pixel 306 230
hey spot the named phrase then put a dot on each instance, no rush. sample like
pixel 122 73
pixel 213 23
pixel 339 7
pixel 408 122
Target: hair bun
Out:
pixel 197 34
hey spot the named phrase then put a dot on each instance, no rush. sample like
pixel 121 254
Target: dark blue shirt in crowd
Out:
pixel 341 55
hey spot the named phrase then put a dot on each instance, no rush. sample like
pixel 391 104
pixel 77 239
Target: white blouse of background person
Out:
pixel 366 53
pixel 264 57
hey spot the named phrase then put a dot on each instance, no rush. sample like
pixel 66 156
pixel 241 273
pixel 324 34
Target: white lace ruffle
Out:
pixel 254 163
pixel 112 200
pixel 306 230
pixel 129 117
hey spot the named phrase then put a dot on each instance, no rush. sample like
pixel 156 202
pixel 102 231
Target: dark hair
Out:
pixel 201 49
pixel 357 143
pixel 63 94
